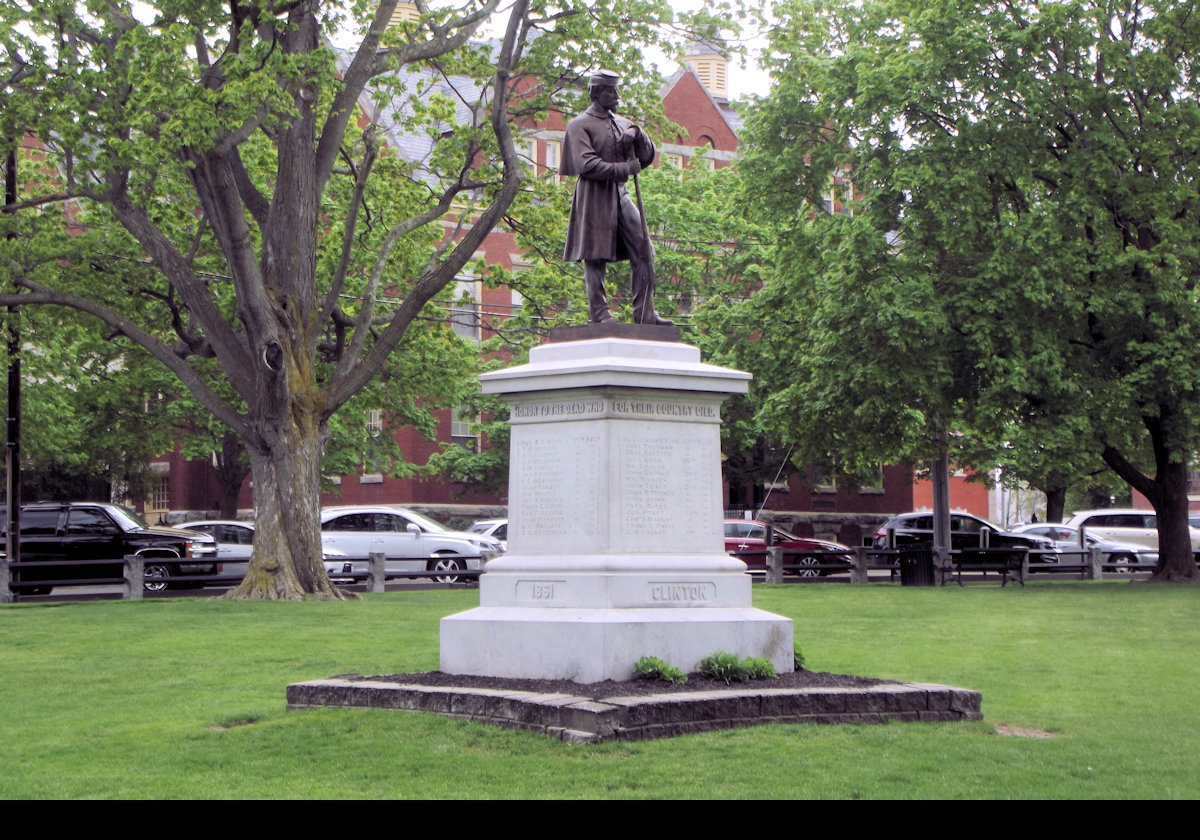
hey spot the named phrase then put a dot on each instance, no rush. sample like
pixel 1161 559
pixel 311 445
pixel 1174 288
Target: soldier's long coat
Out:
pixel 592 148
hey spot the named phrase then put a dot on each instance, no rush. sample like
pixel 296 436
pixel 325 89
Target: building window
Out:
pixel 464 310
pixel 673 160
pixel 372 463
pixel 461 420
pixel 160 489
pixel 527 151
pixel 824 477
pixel 837 200
pixel 160 498
pixel 553 158
pixel 873 483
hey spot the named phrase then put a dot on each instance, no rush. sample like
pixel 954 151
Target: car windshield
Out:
pixel 425 522
pixel 128 520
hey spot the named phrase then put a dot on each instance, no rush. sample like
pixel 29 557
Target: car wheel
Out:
pixel 442 567
pixel 808 567
pixel 1124 563
pixel 155 577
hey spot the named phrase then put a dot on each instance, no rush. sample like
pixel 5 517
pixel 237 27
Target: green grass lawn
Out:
pixel 184 698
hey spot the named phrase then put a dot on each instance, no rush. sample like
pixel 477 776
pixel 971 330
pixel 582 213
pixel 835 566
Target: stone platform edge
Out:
pixel 577 719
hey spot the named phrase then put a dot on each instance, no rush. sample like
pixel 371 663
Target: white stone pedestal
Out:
pixel 616 545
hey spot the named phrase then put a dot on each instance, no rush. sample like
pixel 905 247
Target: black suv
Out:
pixel 89 532
pixel 966 531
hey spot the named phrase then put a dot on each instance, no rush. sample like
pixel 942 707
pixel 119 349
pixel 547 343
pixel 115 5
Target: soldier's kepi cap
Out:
pixel 604 78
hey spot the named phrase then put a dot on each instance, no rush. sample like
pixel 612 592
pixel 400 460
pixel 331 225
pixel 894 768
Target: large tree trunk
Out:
pixel 1056 503
pixel 287 560
pixel 1167 492
pixel 1176 561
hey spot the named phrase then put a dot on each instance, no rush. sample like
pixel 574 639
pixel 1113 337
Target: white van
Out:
pixel 1139 527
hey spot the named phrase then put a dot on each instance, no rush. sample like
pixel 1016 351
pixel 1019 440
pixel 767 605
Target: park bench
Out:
pixel 1007 560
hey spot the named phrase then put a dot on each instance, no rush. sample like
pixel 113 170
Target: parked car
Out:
pixel 235 542
pixel 92 531
pixel 746 540
pixel 411 542
pixel 497 529
pixel 1139 527
pixel 966 531
pixel 1127 556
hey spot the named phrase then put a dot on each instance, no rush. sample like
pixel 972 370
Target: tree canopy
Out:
pixel 282 187
pixel 1020 257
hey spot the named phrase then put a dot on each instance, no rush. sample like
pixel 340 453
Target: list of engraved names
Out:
pixel 559 479
pixel 653 500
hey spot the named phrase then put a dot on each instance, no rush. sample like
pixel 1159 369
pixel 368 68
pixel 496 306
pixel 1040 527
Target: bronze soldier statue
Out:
pixel 606 226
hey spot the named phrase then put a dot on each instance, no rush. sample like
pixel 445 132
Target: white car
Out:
pixel 1125 556
pixel 235 542
pixel 494 528
pixel 1128 525
pixel 410 542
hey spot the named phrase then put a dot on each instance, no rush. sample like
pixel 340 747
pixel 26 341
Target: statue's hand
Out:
pixel 639 142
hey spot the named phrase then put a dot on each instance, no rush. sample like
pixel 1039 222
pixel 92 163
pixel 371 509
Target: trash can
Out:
pixel 916 565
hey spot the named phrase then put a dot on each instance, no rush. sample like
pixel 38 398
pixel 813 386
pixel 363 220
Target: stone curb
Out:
pixel 579 720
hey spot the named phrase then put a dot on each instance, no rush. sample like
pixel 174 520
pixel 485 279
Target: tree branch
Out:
pixel 369 61
pixel 228 347
pixel 160 351
pixel 434 281
pixel 356 203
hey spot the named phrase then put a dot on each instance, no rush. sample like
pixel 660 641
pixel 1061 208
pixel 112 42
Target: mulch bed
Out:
pixel 628 688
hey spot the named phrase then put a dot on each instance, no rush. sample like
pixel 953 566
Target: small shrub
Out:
pixel 797 658
pixel 759 668
pixel 653 668
pixel 723 666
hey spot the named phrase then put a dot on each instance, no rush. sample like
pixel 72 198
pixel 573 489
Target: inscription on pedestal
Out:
pixel 664 410
pixel 559 410
pixel 559 483
pixel 622 408
pixel 666 484
pixel 541 590
pixel 681 593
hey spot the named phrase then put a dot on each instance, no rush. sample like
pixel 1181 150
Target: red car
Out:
pixel 745 539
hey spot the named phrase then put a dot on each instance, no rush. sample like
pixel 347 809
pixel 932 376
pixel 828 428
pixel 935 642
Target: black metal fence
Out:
pixel 35 577
pixel 882 565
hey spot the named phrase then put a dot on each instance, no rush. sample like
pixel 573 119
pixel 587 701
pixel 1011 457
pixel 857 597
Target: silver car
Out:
pixel 1125 556
pixel 410 542
pixel 235 543
pixel 494 528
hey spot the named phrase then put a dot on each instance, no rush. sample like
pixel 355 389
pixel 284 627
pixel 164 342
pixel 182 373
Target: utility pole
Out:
pixel 942 542
pixel 12 450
